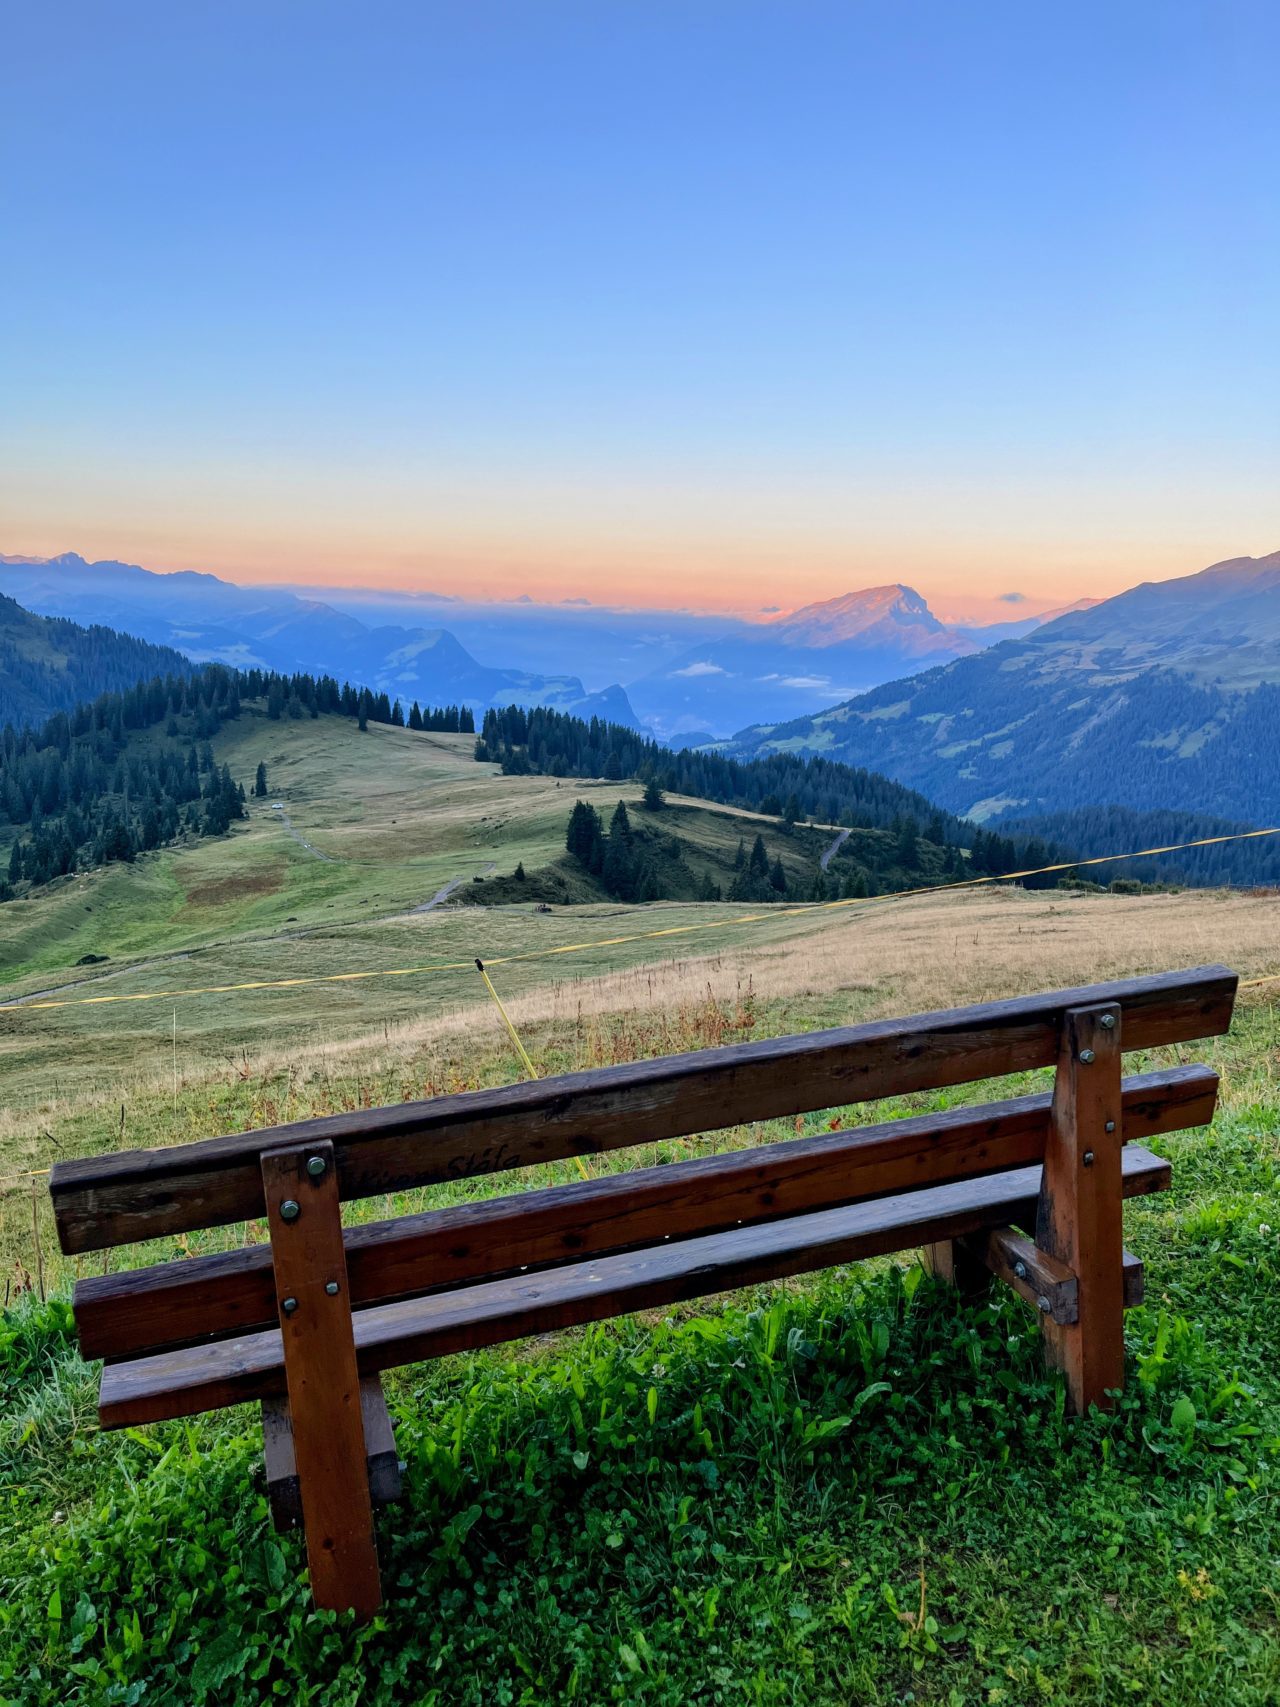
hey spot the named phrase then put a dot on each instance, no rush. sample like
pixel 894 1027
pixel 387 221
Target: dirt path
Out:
pixel 834 849
pixel 448 889
pixel 284 818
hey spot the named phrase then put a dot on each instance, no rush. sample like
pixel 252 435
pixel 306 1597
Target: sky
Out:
pixel 726 304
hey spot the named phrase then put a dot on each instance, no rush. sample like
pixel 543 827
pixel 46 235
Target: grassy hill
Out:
pixel 859 1438
pixel 372 849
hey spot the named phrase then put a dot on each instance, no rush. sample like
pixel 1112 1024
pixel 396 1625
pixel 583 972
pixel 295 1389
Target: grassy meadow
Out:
pixel 843 1489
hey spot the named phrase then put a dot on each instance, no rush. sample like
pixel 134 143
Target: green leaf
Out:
pixel 217 1661
pixel 1183 1416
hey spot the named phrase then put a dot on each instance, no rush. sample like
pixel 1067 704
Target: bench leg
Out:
pixel 381 1458
pixel 301 1189
pixel 955 1261
pixel 1079 1218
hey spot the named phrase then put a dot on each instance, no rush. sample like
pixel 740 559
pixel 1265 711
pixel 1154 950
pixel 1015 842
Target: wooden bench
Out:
pixel 1029 1189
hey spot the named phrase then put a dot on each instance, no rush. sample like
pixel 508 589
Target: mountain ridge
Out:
pixel 1165 696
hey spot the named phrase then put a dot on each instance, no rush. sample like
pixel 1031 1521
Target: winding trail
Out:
pixel 284 818
pixel 834 849
pixel 448 889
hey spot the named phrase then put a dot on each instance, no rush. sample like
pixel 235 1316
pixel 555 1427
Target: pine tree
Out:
pixel 260 781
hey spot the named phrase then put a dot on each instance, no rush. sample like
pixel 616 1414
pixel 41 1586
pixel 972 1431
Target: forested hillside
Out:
pixel 133 771
pixel 1165 698
pixel 1100 830
pixel 784 785
pixel 50 664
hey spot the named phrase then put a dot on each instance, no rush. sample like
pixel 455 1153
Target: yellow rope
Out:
pixel 521 1051
pixel 694 928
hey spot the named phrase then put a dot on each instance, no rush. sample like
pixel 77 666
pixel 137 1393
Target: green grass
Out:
pixel 398 815
pixel 849 1489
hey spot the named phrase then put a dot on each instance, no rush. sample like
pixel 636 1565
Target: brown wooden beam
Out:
pixel 203 1298
pixel 143 1194
pixel 382 1460
pixel 317 1348
pixel 201 1378
pixel 1079 1215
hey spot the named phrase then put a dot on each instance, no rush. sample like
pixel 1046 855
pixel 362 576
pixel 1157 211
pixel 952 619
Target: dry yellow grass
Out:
pixel 896 957
pixel 862 962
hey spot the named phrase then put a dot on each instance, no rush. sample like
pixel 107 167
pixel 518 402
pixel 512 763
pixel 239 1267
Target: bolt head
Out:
pixel 1020 1269
pixel 289 1305
pixel 1043 1305
pixel 1107 1022
pixel 1110 1126
pixel 1086 1055
pixel 331 1287
pixel 1088 1158
pixel 290 1210
pixel 316 1166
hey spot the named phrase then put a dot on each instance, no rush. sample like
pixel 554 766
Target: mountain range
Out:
pixel 1164 697
pixel 687 674
pixel 216 621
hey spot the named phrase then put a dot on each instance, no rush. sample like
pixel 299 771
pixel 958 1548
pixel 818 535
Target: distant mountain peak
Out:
pixel 894 611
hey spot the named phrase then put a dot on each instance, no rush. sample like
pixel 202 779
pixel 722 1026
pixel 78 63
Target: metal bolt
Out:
pixel 289 1210
pixel 1088 1158
pixel 289 1306
pixel 331 1287
pixel 1043 1305
pixel 1107 1022
pixel 1110 1126
pixel 315 1167
pixel 1020 1269
pixel 1086 1055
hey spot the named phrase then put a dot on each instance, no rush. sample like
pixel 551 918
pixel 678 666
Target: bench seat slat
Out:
pixel 183 1383
pixel 201 1299
pixel 119 1198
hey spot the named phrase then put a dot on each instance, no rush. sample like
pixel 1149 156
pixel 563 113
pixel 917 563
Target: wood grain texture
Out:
pixel 203 1298
pixel 1079 1215
pixel 200 1378
pixel 318 1350
pixel 382 1461
pixel 142 1194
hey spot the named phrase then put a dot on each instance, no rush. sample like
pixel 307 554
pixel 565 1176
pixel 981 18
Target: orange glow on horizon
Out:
pixel 962 584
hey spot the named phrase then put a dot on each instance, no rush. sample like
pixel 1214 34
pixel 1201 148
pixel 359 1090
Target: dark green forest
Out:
pixel 795 790
pixel 49 664
pixel 1099 830
pixel 134 770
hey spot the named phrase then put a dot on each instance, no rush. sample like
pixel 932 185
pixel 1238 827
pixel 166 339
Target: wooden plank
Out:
pixel 317 1347
pixel 143 1194
pixel 200 1378
pixel 200 1298
pixel 1079 1219
pixel 1046 1284
pixel 382 1461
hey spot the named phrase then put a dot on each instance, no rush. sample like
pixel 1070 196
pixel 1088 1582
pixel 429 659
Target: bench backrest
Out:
pixel 125 1197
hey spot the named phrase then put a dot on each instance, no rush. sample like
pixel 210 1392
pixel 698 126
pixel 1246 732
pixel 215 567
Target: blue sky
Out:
pixel 719 303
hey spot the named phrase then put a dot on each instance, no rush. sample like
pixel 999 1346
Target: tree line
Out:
pixel 50 664
pixel 80 791
pixel 555 743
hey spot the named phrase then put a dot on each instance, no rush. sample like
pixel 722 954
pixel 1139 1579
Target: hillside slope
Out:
pixel 1164 698
pixel 49 664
